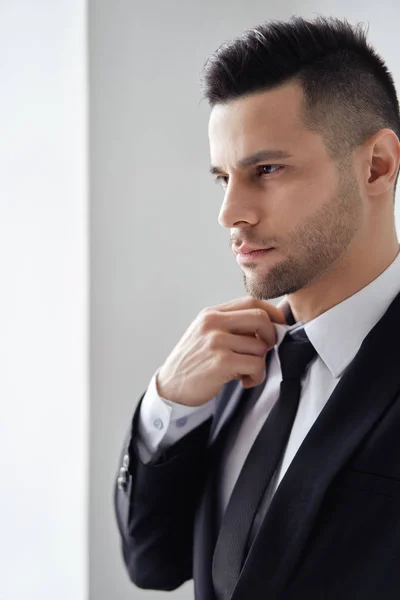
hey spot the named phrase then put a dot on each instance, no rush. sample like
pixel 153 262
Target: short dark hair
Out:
pixel 349 91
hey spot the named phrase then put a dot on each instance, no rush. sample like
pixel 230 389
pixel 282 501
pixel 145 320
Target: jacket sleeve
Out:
pixel 156 506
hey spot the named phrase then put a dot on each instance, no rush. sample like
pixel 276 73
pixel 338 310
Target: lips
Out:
pixel 247 248
pixel 254 255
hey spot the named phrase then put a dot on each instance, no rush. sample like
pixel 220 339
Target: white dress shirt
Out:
pixel 336 335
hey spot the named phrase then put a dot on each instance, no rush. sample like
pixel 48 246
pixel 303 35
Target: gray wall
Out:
pixel 158 254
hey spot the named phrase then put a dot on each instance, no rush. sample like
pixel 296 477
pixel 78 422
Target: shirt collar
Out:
pixel 337 334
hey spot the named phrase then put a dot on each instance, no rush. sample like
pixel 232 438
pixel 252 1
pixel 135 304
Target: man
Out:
pixel 255 475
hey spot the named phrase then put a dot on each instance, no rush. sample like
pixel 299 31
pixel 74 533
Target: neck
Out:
pixel 350 274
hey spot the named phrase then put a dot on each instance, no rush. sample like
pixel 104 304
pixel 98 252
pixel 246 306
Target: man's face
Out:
pixel 300 205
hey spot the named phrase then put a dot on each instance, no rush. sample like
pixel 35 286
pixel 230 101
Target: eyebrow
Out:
pixel 253 159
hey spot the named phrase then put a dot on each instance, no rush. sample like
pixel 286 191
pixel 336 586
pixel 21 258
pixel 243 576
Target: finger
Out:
pixel 245 322
pixel 276 314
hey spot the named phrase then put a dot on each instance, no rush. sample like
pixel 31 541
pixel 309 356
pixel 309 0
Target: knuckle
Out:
pixel 207 320
pixel 214 340
pixel 260 313
pixel 205 310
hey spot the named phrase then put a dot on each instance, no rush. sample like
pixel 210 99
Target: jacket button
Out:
pixel 122 483
pixel 123 472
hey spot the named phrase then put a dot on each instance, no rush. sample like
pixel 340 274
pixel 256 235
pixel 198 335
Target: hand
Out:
pixel 224 342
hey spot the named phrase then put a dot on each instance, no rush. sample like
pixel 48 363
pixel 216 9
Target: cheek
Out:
pixel 291 203
pixel 304 196
pixel 297 197
pixel 292 214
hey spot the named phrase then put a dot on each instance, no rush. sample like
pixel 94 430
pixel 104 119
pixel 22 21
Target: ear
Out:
pixel 381 164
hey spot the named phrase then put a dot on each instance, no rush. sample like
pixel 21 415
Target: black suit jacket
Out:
pixel 332 530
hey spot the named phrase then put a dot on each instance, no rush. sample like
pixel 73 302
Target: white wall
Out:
pixel 43 301
pixel 158 254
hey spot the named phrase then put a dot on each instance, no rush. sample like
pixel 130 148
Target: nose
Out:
pixel 238 208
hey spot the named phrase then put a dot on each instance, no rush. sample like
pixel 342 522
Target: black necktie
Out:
pixel 295 352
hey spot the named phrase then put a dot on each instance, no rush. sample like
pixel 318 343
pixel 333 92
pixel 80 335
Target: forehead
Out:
pixel 269 119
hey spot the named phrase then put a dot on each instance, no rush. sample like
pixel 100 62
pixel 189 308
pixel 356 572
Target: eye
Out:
pixel 222 180
pixel 263 169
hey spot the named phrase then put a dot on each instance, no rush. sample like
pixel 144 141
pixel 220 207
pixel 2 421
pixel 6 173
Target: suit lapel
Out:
pixel 366 390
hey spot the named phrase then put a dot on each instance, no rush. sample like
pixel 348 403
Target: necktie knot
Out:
pixel 295 353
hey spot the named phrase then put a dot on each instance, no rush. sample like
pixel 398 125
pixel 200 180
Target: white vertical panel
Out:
pixel 43 301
